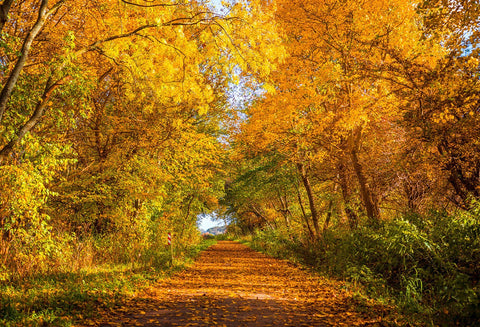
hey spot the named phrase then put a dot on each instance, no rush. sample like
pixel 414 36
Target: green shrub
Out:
pixel 428 264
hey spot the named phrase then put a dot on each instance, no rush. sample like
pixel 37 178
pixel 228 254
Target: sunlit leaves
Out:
pixel 230 284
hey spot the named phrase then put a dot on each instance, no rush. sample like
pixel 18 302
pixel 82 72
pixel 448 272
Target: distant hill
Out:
pixel 217 230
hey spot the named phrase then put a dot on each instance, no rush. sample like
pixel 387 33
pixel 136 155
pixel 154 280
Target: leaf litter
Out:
pixel 233 285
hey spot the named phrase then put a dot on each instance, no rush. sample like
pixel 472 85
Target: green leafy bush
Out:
pixel 429 265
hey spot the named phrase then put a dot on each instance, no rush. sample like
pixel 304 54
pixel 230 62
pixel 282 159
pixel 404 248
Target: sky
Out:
pixel 206 221
pixel 217 4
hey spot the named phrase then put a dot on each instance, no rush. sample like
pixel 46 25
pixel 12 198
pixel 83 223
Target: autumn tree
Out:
pixel 116 107
pixel 341 107
pixel 441 111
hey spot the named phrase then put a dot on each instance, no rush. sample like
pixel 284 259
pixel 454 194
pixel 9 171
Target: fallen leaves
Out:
pixel 232 285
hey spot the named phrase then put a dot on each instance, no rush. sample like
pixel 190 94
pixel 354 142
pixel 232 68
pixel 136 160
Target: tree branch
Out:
pixel 7 89
pixel 4 9
pixel 152 5
pixel 34 119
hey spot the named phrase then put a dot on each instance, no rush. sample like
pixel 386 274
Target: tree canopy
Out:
pixel 118 120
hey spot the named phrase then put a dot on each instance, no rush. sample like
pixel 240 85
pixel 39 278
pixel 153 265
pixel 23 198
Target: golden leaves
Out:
pixel 231 285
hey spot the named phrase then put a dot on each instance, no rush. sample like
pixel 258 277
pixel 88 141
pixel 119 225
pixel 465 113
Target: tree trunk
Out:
pixel 349 212
pixel 185 220
pixel 14 75
pixel 368 200
pixel 257 213
pixel 27 44
pixel 33 121
pixel 308 189
pixel 284 210
pixel 463 186
pixel 328 217
pixel 4 10
pixel 304 215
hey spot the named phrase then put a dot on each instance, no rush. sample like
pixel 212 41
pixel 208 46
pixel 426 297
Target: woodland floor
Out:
pixel 232 285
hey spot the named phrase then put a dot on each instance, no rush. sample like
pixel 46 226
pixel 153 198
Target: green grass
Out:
pixel 61 299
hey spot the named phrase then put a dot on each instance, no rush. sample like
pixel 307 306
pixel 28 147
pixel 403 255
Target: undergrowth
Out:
pixel 61 298
pixel 429 266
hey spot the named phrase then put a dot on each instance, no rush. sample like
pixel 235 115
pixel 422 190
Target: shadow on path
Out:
pixel 232 285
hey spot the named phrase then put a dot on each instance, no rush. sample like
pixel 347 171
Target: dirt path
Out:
pixel 232 285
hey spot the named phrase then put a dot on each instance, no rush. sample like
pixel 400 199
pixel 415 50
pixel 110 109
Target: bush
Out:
pixel 429 265
pixel 276 243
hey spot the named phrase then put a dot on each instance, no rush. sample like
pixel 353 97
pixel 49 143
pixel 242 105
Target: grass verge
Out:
pixel 61 299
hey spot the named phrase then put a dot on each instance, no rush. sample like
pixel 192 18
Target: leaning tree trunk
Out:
pixel 33 120
pixel 368 200
pixel 4 10
pixel 311 202
pixel 7 89
pixel 304 214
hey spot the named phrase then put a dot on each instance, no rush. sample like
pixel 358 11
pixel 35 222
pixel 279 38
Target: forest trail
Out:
pixel 232 285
